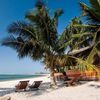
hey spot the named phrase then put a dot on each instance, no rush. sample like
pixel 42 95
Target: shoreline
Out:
pixel 12 83
pixel 19 76
pixel 87 91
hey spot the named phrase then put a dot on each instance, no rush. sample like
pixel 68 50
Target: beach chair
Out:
pixel 35 85
pixel 21 85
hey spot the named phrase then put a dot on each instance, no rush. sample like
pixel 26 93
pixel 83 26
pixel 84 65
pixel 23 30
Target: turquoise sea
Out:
pixel 6 77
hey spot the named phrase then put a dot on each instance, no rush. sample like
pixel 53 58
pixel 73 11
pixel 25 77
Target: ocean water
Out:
pixel 6 77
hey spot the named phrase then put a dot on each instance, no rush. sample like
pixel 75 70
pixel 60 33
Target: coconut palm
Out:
pixel 80 38
pixel 37 37
pixel 84 36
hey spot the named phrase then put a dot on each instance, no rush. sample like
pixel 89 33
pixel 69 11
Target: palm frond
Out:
pixel 57 14
pixel 92 13
pixel 37 53
pixel 25 50
pixel 39 4
pixel 45 24
pixel 15 43
pixel 23 29
pixel 90 58
pixel 65 45
pixel 95 4
pixel 81 35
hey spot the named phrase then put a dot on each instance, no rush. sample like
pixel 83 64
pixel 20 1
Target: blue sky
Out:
pixel 13 10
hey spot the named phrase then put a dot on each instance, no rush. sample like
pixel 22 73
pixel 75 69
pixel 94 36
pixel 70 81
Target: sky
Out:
pixel 14 10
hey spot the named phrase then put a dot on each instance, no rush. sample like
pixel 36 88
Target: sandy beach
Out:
pixel 86 91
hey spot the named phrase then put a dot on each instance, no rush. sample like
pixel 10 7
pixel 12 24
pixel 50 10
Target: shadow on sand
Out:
pixel 97 86
pixel 5 91
pixel 44 88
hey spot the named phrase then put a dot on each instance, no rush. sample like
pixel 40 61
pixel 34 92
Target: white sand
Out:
pixel 87 91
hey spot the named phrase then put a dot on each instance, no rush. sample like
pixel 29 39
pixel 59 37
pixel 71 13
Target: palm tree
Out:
pixel 77 35
pixel 83 36
pixel 80 38
pixel 92 13
pixel 37 37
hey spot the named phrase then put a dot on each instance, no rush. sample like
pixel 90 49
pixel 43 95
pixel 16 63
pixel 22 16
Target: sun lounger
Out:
pixel 35 85
pixel 21 85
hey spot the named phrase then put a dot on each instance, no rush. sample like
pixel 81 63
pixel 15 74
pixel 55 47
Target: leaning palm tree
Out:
pixel 37 37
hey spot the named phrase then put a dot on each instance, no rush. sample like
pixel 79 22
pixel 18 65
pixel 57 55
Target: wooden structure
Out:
pixel 35 85
pixel 22 85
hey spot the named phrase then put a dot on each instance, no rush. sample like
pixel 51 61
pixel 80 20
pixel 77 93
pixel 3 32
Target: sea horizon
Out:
pixel 9 77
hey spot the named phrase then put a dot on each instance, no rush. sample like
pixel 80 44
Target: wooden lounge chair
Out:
pixel 21 85
pixel 35 85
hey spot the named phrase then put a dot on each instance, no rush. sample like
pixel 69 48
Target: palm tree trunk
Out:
pixel 52 78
